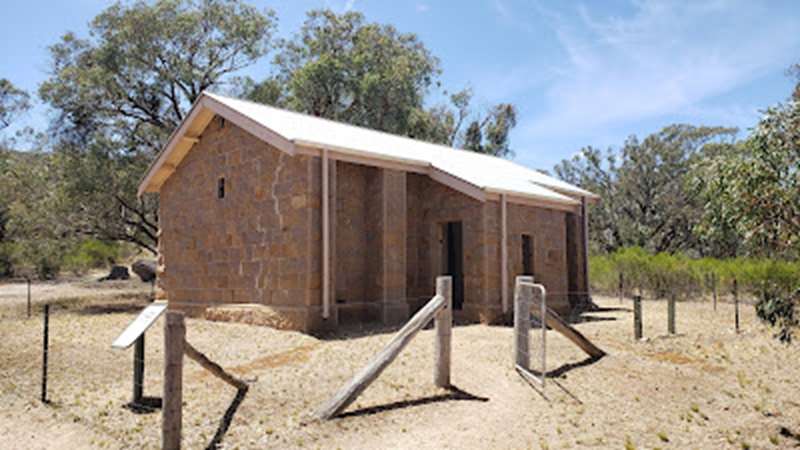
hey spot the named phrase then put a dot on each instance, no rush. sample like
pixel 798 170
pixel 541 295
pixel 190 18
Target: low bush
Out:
pixel 774 283
pixel 664 274
pixel 779 311
pixel 46 258
pixel 91 254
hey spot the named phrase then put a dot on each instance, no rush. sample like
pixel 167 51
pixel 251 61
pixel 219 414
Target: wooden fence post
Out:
pixel 45 345
pixel 621 287
pixel 671 314
pixel 522 321
pixel 28 279
pixel 637 317
pixel 353 388
pixel 172 414
pixel 443 322
pixel 714 289
pixel 138 371
pixel 736 302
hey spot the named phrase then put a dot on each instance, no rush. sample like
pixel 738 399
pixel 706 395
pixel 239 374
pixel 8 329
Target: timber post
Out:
pixel 138 371
pixel 736 303
pixel 28 279
pixel 637 317
pixel 522 321
pixel 621 287
pixel 353 388
pixel 671 314
pixel 714 289
pixel 443 322
pixel 172 414
pixel 45 345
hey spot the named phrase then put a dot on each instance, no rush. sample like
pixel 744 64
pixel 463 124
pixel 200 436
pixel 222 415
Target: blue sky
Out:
pixel 580 73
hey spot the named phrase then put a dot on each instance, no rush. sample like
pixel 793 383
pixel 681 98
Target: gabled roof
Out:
pixel 478 175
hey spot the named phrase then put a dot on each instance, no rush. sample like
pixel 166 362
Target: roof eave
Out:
pixel 200 114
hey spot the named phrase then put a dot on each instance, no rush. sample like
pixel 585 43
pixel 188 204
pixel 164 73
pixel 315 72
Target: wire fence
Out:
pixel 74 349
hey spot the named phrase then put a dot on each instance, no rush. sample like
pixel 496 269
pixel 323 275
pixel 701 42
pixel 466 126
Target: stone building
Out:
pixel 327 224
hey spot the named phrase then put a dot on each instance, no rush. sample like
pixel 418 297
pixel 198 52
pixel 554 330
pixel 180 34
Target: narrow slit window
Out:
pixel 221 188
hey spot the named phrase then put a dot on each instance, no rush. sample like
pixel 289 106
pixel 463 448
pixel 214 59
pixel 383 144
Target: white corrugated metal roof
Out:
pixel 489 173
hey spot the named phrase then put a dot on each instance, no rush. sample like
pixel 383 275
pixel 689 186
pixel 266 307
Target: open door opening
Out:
pixel 527 254
pixel 454 260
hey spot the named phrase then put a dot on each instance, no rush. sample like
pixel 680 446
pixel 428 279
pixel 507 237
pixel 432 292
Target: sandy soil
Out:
pixel 707 387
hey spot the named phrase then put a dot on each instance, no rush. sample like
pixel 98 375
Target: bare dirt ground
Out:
pixel 705 388
pixel 71 291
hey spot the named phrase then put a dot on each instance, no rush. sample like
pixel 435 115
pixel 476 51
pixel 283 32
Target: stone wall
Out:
pixel 547 229
pixel 576 260
pixel 370 235
pixel 430 206
pixel 252 246
pixel 548 232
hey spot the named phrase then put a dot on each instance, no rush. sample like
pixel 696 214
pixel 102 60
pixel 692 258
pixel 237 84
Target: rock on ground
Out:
pixel 146 270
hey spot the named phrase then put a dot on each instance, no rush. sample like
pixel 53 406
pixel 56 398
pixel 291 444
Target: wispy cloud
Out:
pixel 664 58
pixel 422 7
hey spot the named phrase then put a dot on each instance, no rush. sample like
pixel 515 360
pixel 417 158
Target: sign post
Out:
pixel 134 333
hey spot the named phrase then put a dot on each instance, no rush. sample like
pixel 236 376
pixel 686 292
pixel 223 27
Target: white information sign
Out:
pixel 139 325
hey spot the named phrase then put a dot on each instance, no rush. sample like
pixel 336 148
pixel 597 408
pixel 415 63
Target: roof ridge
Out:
pixel 399 136
pixel 437 154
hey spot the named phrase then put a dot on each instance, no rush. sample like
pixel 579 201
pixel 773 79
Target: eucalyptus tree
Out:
pixel 648 199
pixel 344 68
pixel 121 90
pixel 754 189
pixel 13 102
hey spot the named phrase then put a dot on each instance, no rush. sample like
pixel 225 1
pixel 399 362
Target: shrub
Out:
pixel 6 261
pixel 91 254
pixel 666 274
pixel 779 311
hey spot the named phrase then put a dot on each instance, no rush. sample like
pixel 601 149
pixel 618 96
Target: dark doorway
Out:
pixel 454 260
pixel 527 254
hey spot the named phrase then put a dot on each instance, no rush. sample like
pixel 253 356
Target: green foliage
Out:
pixel 648 200
pixel 664 274
pixel 754 189
pixel 42 258
pixel 13 101
pixel 698 190
pixel 341 67
pixel 6 260
pixel 779 311
pixel 91 254
pixel 120 92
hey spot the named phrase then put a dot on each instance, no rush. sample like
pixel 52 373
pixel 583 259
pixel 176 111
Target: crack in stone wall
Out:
pixel 274 191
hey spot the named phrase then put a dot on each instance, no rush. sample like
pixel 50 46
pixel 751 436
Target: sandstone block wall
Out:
pixel 430 206
pixel 252 246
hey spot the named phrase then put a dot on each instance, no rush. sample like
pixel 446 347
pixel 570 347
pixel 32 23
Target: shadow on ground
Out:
pixel 146 405
pixel 113 308
pixel 227 418
pixel 454 394
pixel 565 368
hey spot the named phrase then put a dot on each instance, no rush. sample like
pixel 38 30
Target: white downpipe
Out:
pixel 326 239
pixel 504 251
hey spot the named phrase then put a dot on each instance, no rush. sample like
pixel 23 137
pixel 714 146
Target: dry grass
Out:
pixel 704 388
